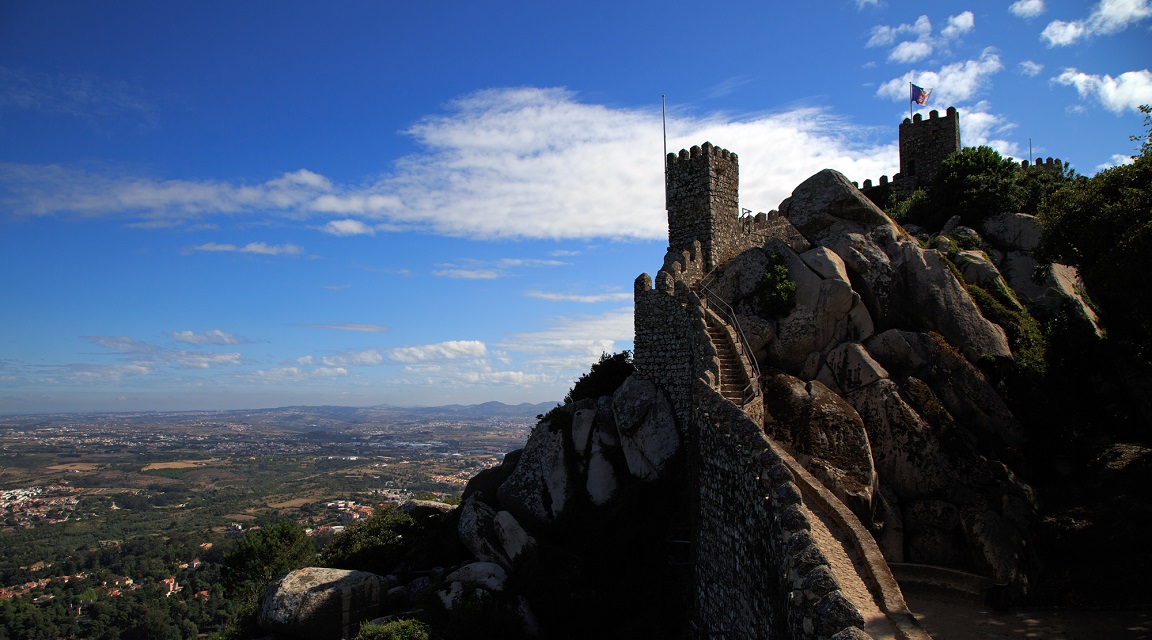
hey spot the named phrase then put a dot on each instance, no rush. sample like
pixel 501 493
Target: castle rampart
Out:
pixel 924 145
pixel 702 197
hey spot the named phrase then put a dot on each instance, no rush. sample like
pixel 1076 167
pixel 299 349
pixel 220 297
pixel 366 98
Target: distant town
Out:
pixel 95 508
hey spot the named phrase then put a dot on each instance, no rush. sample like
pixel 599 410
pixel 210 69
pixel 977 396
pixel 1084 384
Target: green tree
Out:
pixel 1103 226
pixel 975 183
pixel 377 544
pixel 604 378
pixel 263 555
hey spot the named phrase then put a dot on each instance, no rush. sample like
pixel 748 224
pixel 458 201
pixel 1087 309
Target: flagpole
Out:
pixel 910 100
pixel 664 125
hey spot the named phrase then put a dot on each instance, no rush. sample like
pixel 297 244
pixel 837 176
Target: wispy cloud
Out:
pixel 261 248
pixel 440 351
pixel 1125 92
pixel 728 86
pixel 569 345
pixel 458 273
pixel 348 227
pixel 146 353
pixel 91 99
pixel 350 326
pixel 582 298
pixel 212 336
pixel 1030 68
pixel 1108 17
pixel 522 158
pixel 366 358
pixel 490 270
pixel 297 374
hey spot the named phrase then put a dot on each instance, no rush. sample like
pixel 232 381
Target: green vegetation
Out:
pixel 377 544
pixel 775 294
pixel 1103 226
pixel 395 630
pixel 263 555
pixel 976 183
pixel 604 378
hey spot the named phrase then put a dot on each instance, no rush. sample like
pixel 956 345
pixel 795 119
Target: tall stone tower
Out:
pixel 702 197
pixel 924 144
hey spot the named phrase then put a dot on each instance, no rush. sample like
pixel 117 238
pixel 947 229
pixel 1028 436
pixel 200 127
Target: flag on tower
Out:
pixel 920 94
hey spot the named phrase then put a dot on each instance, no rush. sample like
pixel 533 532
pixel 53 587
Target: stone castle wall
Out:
pixel 759 572
pixel 925 144
pixel 702 198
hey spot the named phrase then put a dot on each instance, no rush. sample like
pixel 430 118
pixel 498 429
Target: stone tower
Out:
pixel 702 197
pixel 924 144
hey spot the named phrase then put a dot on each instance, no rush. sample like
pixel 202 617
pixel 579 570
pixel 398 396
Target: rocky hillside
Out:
pixel 900 367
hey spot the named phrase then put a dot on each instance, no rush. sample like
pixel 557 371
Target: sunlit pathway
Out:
pixel 950 617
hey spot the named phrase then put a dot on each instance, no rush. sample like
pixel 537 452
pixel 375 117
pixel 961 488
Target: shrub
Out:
pixel 377 544
pixel 395 630
pixel 775 294
pixel 604 378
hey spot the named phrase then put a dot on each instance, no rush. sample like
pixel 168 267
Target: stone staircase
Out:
pixel 733 378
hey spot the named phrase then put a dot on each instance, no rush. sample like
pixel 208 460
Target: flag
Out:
pixel 920 94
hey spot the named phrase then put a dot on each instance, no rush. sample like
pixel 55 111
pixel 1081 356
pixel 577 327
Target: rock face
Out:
pixel 900 283
pixel 321 604
pixel 878 392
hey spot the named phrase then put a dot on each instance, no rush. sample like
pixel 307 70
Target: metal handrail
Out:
pixel 729 315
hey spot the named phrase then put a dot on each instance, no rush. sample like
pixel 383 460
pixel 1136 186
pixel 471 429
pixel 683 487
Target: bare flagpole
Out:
pixel 664 124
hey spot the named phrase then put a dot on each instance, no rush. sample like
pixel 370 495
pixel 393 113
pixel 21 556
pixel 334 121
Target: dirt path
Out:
pixel 948 617
pixel 842 560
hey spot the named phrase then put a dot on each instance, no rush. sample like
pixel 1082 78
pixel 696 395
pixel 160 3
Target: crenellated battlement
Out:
pixel 924 145
pixel 1051 164
pixel 702 197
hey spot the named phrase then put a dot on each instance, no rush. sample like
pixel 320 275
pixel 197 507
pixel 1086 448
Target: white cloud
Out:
pixel 1062 34
pixel 1027 8
pixel 351 326
pixel 1116 160
pixel 213 336
pixel 910 52
pixel 883 35
pixel 1108 17
pixel 468 274
pixel 1126 92
pixel 520 163
pixel 959 24
pixel 582 298
pixel 1030 68
pixel 348 227
pixel 571 344
pixel 260 248
pixel 370 357
pixel 296 374
pixel 860 4
pixel 206 360
pixel 980 127
pixel 148 354
pixel 451 350
pixel 91 99
pixel 953 83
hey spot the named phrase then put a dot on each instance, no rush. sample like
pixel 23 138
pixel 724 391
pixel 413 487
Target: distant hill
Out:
pixel 310 418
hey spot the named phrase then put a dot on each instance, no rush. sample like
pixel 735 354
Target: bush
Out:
pixel 263 555
pixel 377 544
pixel 604 378
pixel 775 294
pixel 395 630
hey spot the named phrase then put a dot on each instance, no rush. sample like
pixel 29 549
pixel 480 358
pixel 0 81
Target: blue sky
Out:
pixel 234 205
